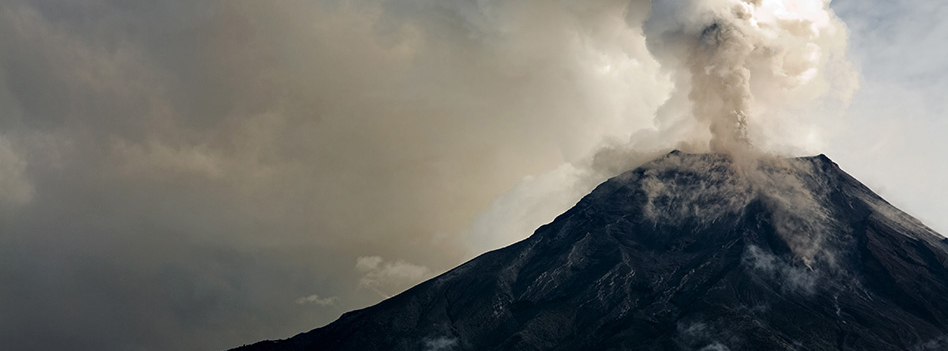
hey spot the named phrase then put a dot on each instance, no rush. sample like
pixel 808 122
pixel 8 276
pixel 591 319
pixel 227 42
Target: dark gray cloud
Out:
pixel 177 176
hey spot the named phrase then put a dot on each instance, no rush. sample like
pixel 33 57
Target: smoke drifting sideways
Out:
pixel 744 73
pixel 751 78
pixel 198 172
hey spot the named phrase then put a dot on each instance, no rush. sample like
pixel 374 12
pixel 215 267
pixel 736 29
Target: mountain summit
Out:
pixel 687 252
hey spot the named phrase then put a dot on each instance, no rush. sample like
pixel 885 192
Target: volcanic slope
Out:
pixel 687 252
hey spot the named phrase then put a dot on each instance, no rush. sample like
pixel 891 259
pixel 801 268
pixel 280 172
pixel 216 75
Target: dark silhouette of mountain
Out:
pixel 687 252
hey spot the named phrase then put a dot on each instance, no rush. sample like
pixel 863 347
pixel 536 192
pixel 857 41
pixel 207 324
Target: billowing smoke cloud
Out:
pixel 792 189
pixel 742 63
pixel 749 78
pixel 188 168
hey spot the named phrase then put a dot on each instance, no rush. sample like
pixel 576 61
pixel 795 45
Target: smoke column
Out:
pixel 749 78
pixel 743 61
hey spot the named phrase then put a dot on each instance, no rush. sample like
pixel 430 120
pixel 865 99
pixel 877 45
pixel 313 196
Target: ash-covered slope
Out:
pixel 688 252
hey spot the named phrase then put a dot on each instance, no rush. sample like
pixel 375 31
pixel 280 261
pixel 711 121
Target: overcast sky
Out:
pixel 196 175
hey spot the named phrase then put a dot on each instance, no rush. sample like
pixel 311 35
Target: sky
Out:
pixel 198 175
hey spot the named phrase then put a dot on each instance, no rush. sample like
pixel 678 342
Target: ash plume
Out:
pixel 742 62
pixel 747 76
pixel 186 148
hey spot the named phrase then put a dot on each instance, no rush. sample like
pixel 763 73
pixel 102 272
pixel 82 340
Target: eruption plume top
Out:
pixel 744 59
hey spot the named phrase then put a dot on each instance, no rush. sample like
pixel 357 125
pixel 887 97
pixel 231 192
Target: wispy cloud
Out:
pixel 381 275
pixel 316 299
pixel 440 344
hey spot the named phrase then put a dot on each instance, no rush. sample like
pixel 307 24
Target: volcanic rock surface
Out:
pixel 687 252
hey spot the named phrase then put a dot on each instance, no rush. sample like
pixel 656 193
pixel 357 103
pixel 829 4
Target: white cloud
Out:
pixel 316 299
pixel 381 275
pixel 440 344
pixel 798 278
pixel 368 263
pixel 715 346
pixel 15 187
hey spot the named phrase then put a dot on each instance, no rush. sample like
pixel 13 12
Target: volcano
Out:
pixel 687 252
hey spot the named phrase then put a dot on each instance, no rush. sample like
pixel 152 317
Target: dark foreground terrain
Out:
pixel 688 252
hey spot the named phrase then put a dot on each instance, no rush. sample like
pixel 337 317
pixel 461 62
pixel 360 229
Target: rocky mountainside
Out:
pixel 687 252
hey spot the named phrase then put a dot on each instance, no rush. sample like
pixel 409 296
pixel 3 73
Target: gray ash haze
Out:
pixel 196 175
